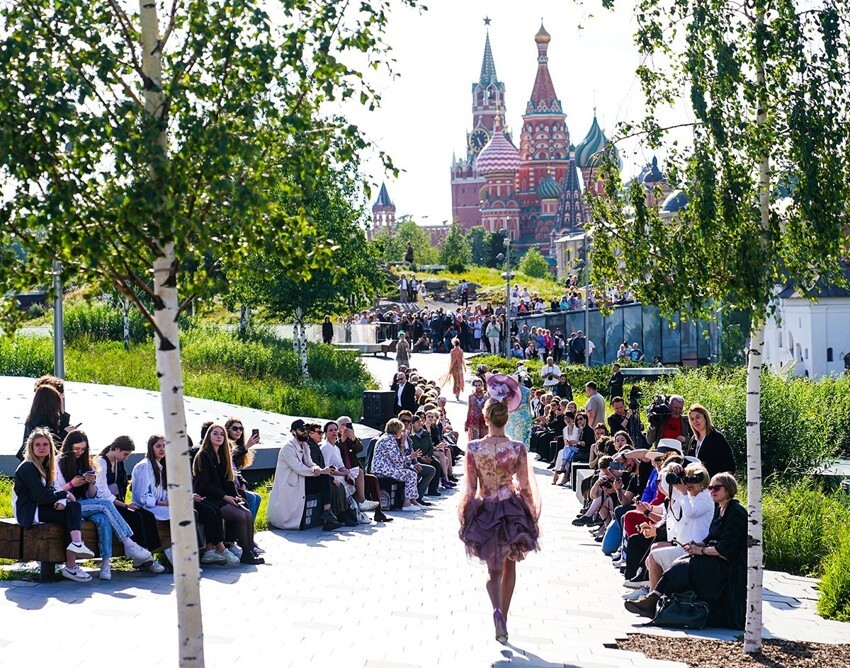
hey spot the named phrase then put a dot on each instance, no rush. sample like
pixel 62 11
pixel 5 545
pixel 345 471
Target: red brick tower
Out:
pixel 488 97
pixel 544 149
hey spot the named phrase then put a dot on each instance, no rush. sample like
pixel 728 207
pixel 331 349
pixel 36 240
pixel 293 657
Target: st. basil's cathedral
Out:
pixel 534 191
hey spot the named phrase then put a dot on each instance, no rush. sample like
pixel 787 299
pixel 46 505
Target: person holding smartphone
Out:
pixel 213 479
pixel 75 473
pixel 242 454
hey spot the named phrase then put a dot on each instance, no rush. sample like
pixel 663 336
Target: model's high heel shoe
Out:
pixel 501 626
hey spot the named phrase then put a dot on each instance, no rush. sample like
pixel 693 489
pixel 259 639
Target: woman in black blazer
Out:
pixel 36 500
pixel 213 480
pixel 707 444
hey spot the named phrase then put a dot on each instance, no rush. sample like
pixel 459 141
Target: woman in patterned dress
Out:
pixel 499 509
pixel 475 426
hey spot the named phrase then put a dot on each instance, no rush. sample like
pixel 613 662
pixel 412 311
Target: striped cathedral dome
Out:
pixel 589 150
pixel 499 156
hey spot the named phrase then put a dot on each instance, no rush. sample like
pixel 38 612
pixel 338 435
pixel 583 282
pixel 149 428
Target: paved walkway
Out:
pixel 400 595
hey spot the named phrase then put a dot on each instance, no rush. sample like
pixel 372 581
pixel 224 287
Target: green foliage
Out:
pixel 6 485
pixel 484 245
pixel 492 282
pixel 455 253
pixel 98 321
pixel 534 264
pixel 238 105
pixel 269 281
pixel 394 243
pixel 259 370
pixel 771 108
pixel 801 523
pixel 834 601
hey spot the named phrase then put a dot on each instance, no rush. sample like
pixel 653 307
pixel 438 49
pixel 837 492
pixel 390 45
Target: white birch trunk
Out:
pixel 755 551
pixel 126 305
pixel 169 372
pixel 299 342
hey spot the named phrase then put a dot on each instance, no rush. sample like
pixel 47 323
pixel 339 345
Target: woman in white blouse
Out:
pixel 572 436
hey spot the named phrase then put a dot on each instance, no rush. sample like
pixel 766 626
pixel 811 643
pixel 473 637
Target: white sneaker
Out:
pixel 230 558
pixel 169 554
pixel 105 571
pixel 156 567
pixel 80 550
pixel 137 553
pixel 635 594
pixel 235 549
pixel 76 574
pixel 213 557
pixel 369 505
pixel 618 563
pixel 258 549
pixel 411 508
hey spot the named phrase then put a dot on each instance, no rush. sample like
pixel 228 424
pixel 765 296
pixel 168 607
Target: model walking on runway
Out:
pixel 500 505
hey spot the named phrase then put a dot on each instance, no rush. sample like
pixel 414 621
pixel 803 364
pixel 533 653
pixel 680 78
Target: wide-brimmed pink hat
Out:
pixel 504 388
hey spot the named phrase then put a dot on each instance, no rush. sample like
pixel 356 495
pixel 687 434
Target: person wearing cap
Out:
pixel 289 492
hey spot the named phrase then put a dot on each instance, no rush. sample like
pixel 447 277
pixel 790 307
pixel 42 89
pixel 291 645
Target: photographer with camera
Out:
pixel 603 494
pixel 550 375
pixel 666 420
pixel 687 518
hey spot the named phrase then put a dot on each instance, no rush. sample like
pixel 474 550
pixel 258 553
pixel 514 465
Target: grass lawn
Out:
pixel 492 283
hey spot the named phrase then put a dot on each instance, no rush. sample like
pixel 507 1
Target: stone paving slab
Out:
pixel 401 594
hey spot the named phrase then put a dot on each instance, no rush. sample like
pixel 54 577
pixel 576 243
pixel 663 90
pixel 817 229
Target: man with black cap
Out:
pixel 296 475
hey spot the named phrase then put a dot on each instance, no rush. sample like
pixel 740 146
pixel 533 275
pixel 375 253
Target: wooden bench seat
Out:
pixel 46 543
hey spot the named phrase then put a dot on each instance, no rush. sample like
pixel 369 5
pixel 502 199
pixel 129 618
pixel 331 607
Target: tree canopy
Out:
pixel 455 253
pixel 534 264
pixel 394 243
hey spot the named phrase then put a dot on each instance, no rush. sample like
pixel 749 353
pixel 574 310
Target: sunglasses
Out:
pixel 406 421
pixel 236 427
pixel 716 488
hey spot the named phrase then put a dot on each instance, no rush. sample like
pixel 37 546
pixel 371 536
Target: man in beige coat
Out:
pixel 288 495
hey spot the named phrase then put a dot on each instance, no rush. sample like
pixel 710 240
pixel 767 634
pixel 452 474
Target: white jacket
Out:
pixel 146 492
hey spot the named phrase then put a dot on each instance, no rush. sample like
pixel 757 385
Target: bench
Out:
pixel 580 476
pixel 374 349
pixel 46 543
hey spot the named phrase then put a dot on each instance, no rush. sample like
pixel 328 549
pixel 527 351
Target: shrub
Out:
pixel 26 356
pixel 800 525
pixel 534 264
pixel 6 496
pixel 834 601
pixel 98 321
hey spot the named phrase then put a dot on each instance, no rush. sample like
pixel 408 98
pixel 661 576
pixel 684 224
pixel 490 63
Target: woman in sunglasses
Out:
pixel 242 454
pixel 716 569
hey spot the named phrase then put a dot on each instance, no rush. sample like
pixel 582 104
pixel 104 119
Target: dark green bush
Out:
pixel 26 356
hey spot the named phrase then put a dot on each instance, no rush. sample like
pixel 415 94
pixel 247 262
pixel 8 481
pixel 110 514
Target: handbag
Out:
pixel 681 611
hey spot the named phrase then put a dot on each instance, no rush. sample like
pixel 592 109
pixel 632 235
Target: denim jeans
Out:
pixel 108 521
pixel 104 529
pixel 253 500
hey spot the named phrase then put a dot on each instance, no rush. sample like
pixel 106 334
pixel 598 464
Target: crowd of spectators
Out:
pixel 660 501
pixel 60 480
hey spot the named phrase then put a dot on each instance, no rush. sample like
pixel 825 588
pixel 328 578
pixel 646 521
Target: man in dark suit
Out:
pixel 405 394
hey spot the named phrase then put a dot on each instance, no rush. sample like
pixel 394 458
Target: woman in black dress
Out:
pixel 717 568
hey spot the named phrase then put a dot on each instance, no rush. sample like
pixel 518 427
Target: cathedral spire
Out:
pixel 488 65
pixel 543 96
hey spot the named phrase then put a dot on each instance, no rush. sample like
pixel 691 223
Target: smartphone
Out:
pixel 88 473
pixel 255 432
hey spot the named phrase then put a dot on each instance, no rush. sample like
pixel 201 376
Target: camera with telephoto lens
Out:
pixel 658 411
pixel 634 398
pixel 607 483
pixel 682 479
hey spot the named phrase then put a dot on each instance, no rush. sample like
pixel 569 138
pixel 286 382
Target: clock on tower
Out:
pixel 478 139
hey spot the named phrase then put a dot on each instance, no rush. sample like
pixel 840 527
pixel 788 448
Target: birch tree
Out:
pixel 139 140
pixel 762 159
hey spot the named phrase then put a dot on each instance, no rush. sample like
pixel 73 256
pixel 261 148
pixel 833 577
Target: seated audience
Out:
pixel 390 460
pixel 707 444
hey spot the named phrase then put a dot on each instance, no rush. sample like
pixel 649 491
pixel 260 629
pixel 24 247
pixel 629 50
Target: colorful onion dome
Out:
pixel 589 151
pixel 499 156
pixel 675 202
pixel 542 37
pixel 549 188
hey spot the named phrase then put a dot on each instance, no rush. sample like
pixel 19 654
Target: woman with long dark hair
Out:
pixel 242 454
pixel 150 491
pixel 499 509
pixel 213 479
pixel 36 500
pixel 48 411
pixel 76 473
pixel 111 485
